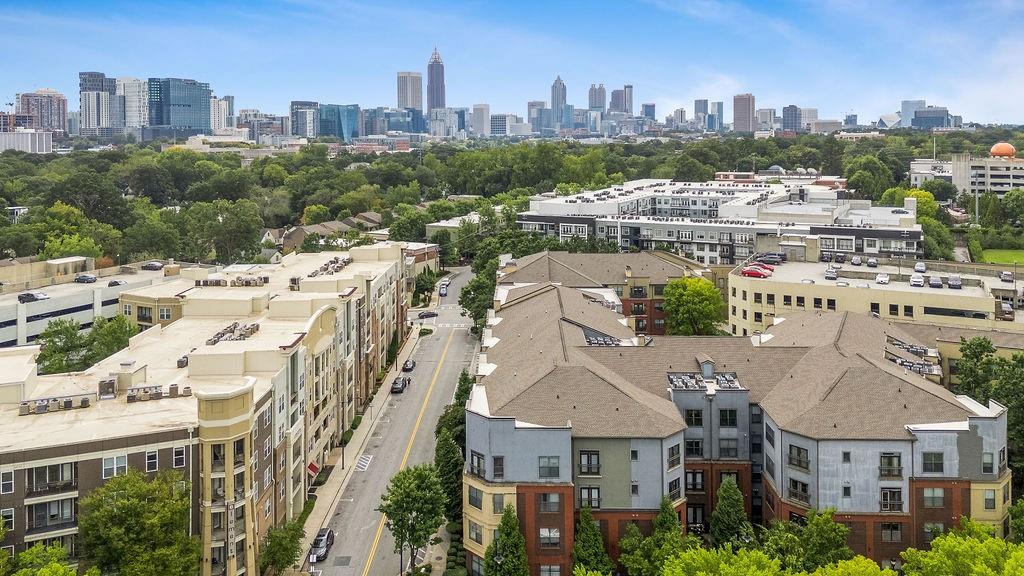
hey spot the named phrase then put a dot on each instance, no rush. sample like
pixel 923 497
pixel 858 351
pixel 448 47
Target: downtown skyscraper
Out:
pixel 743 118
pixel 558 103
pixel 410 90
pixel 597 99
pixel 435 81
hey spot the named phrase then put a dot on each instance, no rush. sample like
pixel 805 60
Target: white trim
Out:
pixel 54 534
pixel 100 454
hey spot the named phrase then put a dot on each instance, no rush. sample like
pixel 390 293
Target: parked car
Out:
pixel 409 365
pixel 443 291
pixel 755 272
pixel 321 545
pixel 872 263
pixel 920 268
pixel 426 314
pixel 1005 276
pixel 117 283
pixel 32 297
pixel 935 282
pixel 826 256
pixel 840 257
pixel 882 278
pixel 400 384
pixel 917 281
pixel 830 274
pixel 779 255
pixel 856 261
pixel 85 278
pixel 1005 311
pixel 954 282
pixel 770 259
pixel 762 266
pixel 154 265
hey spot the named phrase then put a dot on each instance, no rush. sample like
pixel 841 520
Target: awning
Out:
pixel 313 469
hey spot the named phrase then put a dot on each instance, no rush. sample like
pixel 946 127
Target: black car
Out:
pixel 426 314
pixel 321 545
pixel 826 256
pixel 85 278
pixel 955 283
pixel 400 384
pixel 409 365
pixel 770 259
pixel 840 257
pixel 27 297
pixel 117 283
pixel 154 265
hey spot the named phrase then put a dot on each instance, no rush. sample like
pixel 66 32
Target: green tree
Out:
pixel 281 547
pixel 823 540
pixel 692 307
pixel 448 254
pixel 64 348
pixel 70 245
pixel 151 235
pixel 413 505
pixel 729 524
pixel 108 336
pixel 970 550
pixel 1013 204
pixel 940 189
pixel 938 241
pixel 722 562
pixel 506 555
pixel 40 560
pixel 137 526
pixel 976 367
pixel 449 461
pixel 315 214
pixel 647 556
pixel 1017 522
pixel 588 549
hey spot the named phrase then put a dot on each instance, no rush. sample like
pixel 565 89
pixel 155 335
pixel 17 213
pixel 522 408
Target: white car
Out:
pixel 882 279
pixel 920 268
pixel 917 281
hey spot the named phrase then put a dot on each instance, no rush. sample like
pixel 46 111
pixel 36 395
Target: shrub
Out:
pixel 357 421
pixel 425 332
pixel 346 437
pixel 460 571
pixel 454 527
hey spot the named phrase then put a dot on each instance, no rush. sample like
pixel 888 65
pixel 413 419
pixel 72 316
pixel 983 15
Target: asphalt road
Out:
pixel 403 437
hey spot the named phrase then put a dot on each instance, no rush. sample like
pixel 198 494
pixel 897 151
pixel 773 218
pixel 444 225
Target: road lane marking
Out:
pixel 363 463
pixel 408 447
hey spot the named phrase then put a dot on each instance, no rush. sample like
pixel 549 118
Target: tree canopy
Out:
pixel 693 307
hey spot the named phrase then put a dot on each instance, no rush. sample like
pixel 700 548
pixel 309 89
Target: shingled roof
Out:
pixel 589 270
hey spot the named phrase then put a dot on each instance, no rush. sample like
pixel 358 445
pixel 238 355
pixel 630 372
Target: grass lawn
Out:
pixel 1003 256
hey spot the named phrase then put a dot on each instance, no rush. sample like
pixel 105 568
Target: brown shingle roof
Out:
pixel 576 269
pixel 931 334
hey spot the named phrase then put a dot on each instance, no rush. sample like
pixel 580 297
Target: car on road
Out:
pixel 882 278
pixel 321 545
pixel 770 259
pixel 409 365
pixel 917 280
pixel 32 297
pixel 831 274
pixel 955 282
pixel 920 268
pixel 154 265
pixel 1005 276
pixel 400 384
pixel 856 261
pixel 872 263
pixel 755 272
pixel 426 314
pixel 117 283
pixel 85 278
pixel 935 282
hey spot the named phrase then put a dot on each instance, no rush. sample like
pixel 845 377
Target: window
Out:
pixel 875 308
pixel 892 532
pixel 892 500
pixel 498 470
pixel 744 313
pixel 127 308
pixel 990 499
pixel 755 415
pixel 550 538
pixel 1006 493
pixel 744 295
pixel 590 496
pixel 268 477
pixel 798 491
pixel 164 313
pixel 548 467
pixel 476 566
pixel 894 309
pixel 7 518
pixel 695 480
pixel 908 311
pixel 727 447
pixel 673 455
pixel 771 299
pixel 114 466
pixel 757 298
pixel 846 457
pixel 634 455
pixel 727 418
pixel 769 435
pixel 933 530
pixel 733 291
pixel 590 462
pixel 695 515
pixel 831 304
pixel 498 503
pixel 694 418
pixel 758 317
pixel 694 448
pixel 723 476
pixel 476 534
pixel 798 457
pixel 934 497
pixel 846 492
pixel 799 301
pixel 266 447
pixel 673 489
pixel 769 466
pixel 6 482
pixel 476 498
pixel 266 507
pixel 787 300
pixel 550 502
pixel 988 465
pixel 151 461
pixel 178 457
pixel 476 463
pixel 933 462
pixel 890 465
pixel 817 303
pixel 550 570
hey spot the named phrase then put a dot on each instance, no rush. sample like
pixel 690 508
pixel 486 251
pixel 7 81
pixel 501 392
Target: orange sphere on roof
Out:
pixel 1003 150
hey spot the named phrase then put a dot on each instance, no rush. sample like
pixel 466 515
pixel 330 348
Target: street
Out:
pixel 402 437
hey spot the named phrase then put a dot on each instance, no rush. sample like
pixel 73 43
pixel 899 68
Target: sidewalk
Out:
pixel 328 495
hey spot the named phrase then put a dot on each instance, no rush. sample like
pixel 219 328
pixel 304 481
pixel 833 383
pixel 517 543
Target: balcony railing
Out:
pixel 477 471
pixel 890 471
pixel 45 488
pixel 800 496
pixel 49 525
pixel 801 463
pixel 592 470
pixel 638 293
pixel 592 503
pixel 891 505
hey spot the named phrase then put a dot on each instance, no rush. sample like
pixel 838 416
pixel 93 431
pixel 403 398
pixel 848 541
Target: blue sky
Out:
pixel 837 55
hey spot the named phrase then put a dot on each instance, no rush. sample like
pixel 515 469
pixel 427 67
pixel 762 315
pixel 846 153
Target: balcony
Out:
pixel 891 505
pixel 48 488
pixel 801 463
pixel 799 496
pixel 40 525
pixel 890 471
pixel 592 503
pixel 638 293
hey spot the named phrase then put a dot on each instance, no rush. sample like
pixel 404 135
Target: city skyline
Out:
pixel 507 65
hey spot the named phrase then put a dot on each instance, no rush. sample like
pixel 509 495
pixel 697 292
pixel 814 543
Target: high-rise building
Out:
pixel 807 117
pixel 309 124
pixel 618 103
pixel 596 98
pixel 700 107
pixel 435 81
pixel 743 119
pixel 679 116
pixel 410 90
pixel 136 101
pixel 230 100
pixel 716 116
pixel 180 104
pixel 627 99
pixel 220 113
pixel 48 107
pixel 95 109
pixel 558 102
pixel 535 114
pixel 907 110
pixel 647 111
pixel 96 82
pixel 444 122
pixel 765 118
pixel 339 120
pixel 481 120
pixel 791 121
pixel 931 117
pixel 97 116
pixel 850 120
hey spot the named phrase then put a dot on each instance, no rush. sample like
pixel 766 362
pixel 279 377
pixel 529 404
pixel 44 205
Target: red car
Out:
pixel 755 272
pixel 762 266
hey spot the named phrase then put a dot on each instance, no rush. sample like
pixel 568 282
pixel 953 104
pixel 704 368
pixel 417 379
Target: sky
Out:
pixel 839 56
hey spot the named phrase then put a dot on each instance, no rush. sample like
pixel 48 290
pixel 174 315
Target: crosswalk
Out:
pixel 363 463
pixel 454 325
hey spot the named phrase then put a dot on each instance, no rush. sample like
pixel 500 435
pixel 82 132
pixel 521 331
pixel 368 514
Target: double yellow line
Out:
pixel 408 447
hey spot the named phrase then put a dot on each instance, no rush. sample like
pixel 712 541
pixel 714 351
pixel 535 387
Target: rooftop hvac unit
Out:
pixel 24 409
pixel 84 402
pixel 107 388
pixel 186 391
pixel 183 362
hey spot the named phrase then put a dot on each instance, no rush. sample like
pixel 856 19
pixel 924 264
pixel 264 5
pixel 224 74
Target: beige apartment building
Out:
pixel 244 388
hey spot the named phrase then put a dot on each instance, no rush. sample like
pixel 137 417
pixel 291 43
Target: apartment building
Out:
pixel 820 410
pixel 999 173
pixel 724 222
pixel 631 284
pixel 755 303
pixel 245 388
